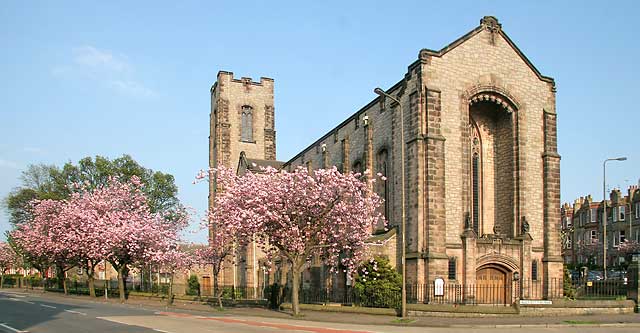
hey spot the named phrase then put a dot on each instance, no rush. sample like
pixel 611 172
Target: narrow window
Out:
pixel 637 210
pixel 476 192
pixel 452 268
pixel 622 236
pixel 594 237
pixel 534 270
pixel 383 185
pixel 246 134
pixel 594 214
pixel 621 213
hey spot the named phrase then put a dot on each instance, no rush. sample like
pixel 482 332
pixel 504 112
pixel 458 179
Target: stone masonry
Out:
pixel 477 99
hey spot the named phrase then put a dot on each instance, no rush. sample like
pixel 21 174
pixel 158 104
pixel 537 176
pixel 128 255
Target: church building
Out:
pixel 482 170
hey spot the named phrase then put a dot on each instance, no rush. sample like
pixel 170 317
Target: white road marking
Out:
pixel 159 330
pixel 12 329
pixel 113 320
pixel 76 312
pixel 20 300
pixel 48 306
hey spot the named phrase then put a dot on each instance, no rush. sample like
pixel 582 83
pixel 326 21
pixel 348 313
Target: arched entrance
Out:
pixel 493 285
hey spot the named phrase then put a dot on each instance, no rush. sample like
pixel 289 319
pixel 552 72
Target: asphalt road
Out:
pixel 21 312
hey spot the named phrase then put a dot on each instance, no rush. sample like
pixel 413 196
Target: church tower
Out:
pixel 241 120
pixel 241 123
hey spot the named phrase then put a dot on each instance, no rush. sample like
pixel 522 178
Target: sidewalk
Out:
pixel 368 319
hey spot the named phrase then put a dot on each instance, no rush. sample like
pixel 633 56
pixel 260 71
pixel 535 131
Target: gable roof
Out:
pixel 490 23
pixel 254 165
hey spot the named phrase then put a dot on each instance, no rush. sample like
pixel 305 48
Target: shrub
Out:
pixel 378 284
pixel 193 286
pixel 567 285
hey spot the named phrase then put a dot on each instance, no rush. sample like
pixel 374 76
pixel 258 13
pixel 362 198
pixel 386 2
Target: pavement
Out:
pixel 51 312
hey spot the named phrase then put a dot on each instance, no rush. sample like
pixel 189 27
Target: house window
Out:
pixel 616 239
pixel 534 270
pixel 569 241
pixel 594 215
pixel 569 221
pixel 246 123
pixel 452 268
pixel 622 236
pixel 637 210
pixel 614 213
pixel 594 237
pixel 621 213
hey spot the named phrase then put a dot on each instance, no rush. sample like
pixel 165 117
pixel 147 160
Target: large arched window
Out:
pixel 246 124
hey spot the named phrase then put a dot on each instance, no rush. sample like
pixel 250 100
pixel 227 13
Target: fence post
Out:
pixel 633 278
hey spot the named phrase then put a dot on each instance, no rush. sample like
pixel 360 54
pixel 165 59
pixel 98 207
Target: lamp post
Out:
pixel 403 306
pixel 604 211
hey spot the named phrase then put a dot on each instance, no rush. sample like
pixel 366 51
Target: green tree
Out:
pixel 378 284
pixel 193 286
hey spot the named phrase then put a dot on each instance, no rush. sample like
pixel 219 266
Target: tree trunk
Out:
pixel 61 280
pixel 170 296
pixel 1 280
pixel 295 302
pixel 216 291
pixel 91 279
pixel 92 287
pixel 121 289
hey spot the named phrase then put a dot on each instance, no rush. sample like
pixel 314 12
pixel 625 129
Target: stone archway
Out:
pixel 493 284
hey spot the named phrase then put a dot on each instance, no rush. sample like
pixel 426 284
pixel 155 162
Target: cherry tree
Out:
pixel 88 212
pixel 8 259
pixel 298 215
pixel 46 235
pixel 227 225
pixel 223 242
pixel 171 261
pixel 133 234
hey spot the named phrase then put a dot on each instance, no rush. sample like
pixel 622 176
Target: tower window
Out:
pixel 534 270
pixel 246 124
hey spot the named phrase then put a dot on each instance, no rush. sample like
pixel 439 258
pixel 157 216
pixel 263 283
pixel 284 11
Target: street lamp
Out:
pixel 604 211
pixel 403 306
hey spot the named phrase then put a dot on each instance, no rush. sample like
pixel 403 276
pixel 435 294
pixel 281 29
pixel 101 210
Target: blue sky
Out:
pixel 105 78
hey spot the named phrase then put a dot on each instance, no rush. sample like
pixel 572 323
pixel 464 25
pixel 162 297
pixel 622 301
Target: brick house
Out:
pixel 482 167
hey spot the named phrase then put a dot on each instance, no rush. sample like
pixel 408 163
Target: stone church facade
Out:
pixel 482 168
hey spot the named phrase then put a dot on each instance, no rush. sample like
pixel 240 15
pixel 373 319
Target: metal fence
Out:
pixel 456 294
